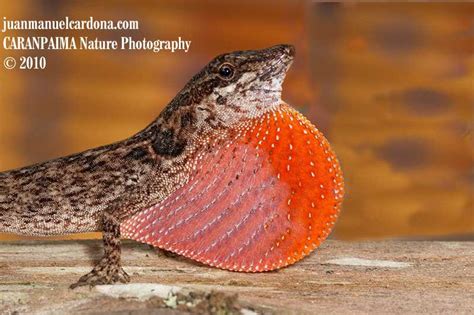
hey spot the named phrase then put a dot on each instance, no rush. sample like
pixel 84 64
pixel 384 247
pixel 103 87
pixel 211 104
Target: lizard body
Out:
pixel 228 175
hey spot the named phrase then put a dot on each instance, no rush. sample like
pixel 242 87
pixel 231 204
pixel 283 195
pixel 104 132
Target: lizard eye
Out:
pixel 226 71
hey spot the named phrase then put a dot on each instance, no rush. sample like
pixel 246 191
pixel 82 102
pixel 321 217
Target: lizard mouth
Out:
pixel 282 56
pixel 271 61
pixel 278 61
pixel 279 67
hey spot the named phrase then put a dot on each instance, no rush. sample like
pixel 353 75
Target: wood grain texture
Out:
pixel 397 277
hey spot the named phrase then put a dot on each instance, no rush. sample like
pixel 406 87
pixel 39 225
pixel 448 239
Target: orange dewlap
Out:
pixel 260 203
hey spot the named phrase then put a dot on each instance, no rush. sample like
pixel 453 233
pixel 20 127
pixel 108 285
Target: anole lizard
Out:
pixel 228 175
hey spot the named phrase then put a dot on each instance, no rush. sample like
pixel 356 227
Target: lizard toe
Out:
pixel 104 272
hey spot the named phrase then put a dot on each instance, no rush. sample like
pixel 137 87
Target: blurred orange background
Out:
pixel 391 86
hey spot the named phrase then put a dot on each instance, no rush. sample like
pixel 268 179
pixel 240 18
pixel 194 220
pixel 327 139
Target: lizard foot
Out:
pixel 105 272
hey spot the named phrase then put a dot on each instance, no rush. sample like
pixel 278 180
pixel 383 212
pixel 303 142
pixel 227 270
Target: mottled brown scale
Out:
pixel 103 188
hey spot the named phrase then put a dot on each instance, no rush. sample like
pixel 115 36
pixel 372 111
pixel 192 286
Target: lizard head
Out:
pixel 248 83
pixel 233 87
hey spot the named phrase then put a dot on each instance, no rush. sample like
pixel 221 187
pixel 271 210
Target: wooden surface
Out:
pixel 340 277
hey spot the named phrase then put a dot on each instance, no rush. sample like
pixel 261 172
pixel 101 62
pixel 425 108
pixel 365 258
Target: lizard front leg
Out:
pixel 109 269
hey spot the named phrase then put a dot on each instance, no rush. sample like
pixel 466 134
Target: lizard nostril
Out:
pixel 286 49
pixel 290 50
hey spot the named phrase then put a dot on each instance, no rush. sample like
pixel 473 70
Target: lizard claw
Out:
pixel 105 272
